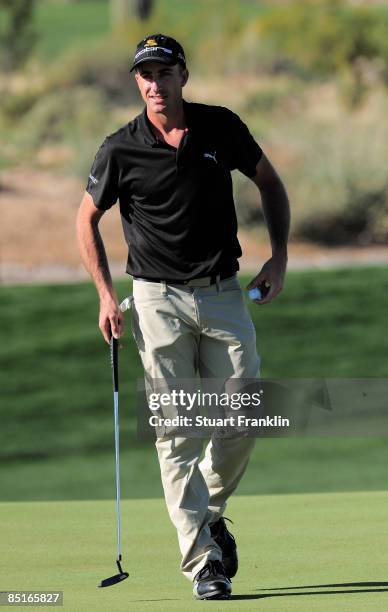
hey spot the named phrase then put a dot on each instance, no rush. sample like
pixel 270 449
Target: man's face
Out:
pixel 161 85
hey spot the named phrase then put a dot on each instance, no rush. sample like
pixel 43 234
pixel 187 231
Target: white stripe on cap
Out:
pixel 147 49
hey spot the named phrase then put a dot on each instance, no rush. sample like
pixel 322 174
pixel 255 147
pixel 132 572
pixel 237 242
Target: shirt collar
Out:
pixel 149 137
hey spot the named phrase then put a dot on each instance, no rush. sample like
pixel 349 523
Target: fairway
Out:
pixel 55 379
pixel 297 552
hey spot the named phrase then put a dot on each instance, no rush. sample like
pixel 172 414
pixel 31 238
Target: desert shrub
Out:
pixel 323 36
pixel 332 163
pixel 104 66
pixel 263 100
pixel 327 38
pixel 363 219
pixel 59 115
pixel 14 105
pixel 337 179
pixel 217 51
pixel 270 94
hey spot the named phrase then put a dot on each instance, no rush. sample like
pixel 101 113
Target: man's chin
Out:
pixel 157 102
pixel 158 107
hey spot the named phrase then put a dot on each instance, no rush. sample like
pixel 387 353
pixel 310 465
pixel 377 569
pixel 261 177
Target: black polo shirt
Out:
pixel 176 205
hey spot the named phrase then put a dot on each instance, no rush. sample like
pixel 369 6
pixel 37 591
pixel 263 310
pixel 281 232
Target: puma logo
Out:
pixel 211 156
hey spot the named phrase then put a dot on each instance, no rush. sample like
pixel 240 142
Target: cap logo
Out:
pixel 151 42
pixel 145 50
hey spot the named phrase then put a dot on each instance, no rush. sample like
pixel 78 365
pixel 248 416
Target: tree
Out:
pixel 17 35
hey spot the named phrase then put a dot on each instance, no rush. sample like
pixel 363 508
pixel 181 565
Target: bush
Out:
pixel 328 38
pixel 336 176
pixel 14 105
pixel 362 220
pixel 218 49
pixel 323 36
pixel 104 66
pixel 61 114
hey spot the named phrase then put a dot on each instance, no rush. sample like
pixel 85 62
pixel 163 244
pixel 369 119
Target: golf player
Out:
pixel 170 168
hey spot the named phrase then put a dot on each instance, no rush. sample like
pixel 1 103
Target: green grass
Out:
pixel 62 25
pixel 276 466
pixel 297 553
pixel 55 381
pixel 325 323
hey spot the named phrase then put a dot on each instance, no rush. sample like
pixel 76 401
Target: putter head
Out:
pixel 113 579
pixel 116 578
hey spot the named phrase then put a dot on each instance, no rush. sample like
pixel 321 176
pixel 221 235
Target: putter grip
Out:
pixel 114 362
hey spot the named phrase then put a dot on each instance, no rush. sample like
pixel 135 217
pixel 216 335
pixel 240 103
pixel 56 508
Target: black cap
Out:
pixel 159 48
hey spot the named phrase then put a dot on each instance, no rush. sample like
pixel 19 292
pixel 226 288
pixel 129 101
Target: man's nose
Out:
pixel 155 84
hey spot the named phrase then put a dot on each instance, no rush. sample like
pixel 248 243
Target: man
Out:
pixel 170 169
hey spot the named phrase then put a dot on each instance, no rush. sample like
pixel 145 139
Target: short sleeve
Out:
pixel 103 178
pixel 245 153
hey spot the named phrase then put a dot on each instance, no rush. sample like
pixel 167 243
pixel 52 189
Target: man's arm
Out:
pixel 93 255
pixel 277 215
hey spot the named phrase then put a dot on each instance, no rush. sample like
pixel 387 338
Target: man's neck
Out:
pixel 168 122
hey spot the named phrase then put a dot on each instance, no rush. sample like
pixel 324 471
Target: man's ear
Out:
pixel 185 76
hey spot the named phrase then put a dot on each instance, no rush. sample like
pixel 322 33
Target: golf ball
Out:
pixel 126 304
pixel 255 294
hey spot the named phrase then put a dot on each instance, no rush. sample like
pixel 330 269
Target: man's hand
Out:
pixel 272 275
pixel 111 321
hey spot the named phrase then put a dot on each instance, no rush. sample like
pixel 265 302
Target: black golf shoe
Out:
pixel 227 543
pixel 211 582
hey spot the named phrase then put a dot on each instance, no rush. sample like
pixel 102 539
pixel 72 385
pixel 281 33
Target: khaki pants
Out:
pixel 181 331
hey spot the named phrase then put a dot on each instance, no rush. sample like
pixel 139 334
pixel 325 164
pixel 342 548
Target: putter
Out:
pixel 114 362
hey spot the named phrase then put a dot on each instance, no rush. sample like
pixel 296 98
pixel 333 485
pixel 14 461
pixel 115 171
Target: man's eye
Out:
pixel 147 76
